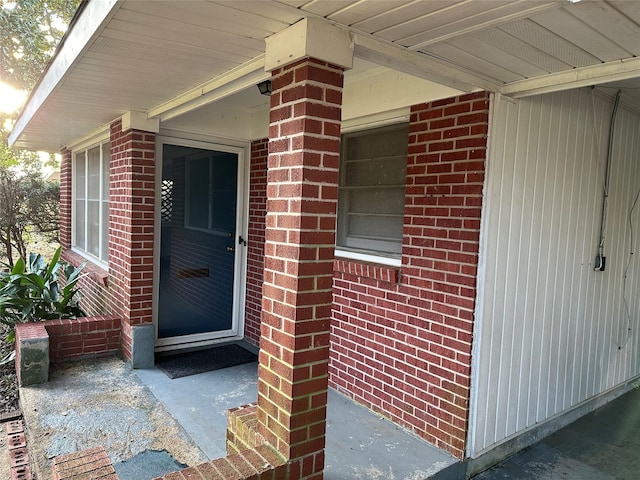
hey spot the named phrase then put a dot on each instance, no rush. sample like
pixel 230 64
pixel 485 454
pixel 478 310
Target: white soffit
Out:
pixel 167 58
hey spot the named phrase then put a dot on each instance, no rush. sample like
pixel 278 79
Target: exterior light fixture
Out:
pixel 265 87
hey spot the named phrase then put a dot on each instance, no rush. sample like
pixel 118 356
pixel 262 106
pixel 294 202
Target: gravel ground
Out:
pixel 8 380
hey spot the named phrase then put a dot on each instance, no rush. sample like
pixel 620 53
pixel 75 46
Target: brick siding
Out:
pixel 126 289
pixel 255 239
pixel 64 235
pixel 131 227
pixel 401 338
pixel 74 338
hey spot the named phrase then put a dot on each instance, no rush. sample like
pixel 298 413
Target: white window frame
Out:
pixel 103 202
pixel 363 254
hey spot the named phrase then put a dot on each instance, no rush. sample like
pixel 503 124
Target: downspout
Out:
pixel 599 263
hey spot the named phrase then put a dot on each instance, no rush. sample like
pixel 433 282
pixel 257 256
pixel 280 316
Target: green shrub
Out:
pixel 32 292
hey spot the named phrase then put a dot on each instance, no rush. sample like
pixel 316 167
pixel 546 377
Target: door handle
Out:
pixel 231 249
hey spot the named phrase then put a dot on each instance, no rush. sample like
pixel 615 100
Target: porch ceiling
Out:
pixel 165 58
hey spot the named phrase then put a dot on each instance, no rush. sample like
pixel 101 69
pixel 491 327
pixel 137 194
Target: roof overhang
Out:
pixel 166 59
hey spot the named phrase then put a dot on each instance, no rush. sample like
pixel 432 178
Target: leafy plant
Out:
pixel 32 292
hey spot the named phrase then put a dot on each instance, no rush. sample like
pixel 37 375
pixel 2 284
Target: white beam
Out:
pixel 576 78
pixel 417 64
pixel 494 17
pixel 244 76
pixel 309 38
pixel 139 121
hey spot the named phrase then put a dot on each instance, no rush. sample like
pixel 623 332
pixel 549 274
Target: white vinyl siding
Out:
pixel 373 168
pixel 91 201
pixel 550 331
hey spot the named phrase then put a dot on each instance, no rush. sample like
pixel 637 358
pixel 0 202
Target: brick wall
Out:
pixel 94 294
pixel 65 198
pixel 126 289
pixel 131 228
pixel 401 338
pixel 255 240
pixel 75 338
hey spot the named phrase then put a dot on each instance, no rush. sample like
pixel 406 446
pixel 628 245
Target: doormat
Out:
pixel 200 361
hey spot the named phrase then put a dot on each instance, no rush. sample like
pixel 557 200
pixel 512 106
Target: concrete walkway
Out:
pixel 360 445
pixel 149 423
pixel 602 445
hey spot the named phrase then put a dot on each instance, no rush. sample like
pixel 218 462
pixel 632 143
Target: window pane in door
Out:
pixel 198 178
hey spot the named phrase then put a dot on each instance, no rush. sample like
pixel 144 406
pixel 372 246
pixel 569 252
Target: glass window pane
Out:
pixel 105 171
pixel 372 190
pixel 93 230
pixel 79 224
pixel 198 180
pixel 375 200
pixel 223 214
pixel 93 173
pixel 376 171
pixel 380 142
pixel 80 175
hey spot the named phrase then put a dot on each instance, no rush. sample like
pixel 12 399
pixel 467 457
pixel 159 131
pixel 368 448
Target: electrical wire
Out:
pixel 626 271
pixel 607 177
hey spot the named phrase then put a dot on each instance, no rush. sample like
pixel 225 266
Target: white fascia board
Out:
pixel 79 38
pixel 417 64
pixel 576 78
pixel 244 76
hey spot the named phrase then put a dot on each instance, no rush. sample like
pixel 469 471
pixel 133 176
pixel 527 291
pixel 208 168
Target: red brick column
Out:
pixel 65 199
pixel 302 193
pixel 131 230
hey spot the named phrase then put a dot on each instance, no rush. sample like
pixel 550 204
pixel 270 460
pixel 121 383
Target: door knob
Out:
pixel 231 249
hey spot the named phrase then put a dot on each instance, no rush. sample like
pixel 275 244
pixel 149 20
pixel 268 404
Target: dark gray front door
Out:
pixel 198 242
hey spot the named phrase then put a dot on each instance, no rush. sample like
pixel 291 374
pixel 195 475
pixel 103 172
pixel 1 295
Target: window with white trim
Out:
pixel 90 229
pixel 373 165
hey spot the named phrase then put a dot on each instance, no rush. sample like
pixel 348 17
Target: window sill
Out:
pixel 95 272
pixel 360 269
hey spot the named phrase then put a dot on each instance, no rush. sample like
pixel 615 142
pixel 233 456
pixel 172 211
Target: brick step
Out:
pixel 90 464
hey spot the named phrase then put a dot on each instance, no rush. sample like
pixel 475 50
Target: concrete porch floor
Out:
pixel 104 402
pixel 602 445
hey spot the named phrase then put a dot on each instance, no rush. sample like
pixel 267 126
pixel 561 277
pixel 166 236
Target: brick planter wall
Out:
pixel 74 338
pixel 401 338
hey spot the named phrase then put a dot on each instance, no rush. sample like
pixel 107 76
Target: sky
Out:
pixel 11 99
